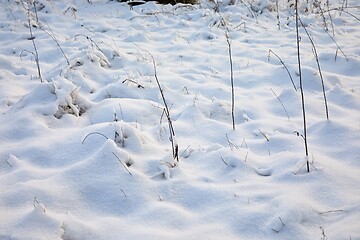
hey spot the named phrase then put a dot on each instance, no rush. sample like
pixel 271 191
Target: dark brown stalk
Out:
pixel 318 65
pixel 174 146
pixel 301 85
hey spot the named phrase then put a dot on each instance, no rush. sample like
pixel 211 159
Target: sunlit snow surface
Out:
pixel 86 153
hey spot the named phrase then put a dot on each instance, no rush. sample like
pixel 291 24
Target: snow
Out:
pixel 85 154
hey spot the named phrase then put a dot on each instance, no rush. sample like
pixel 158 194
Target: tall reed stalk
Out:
pixel 301 86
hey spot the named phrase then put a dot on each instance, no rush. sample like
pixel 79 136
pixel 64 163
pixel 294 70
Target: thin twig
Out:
pixel 282 62
pixel 337 45
pixel 323 17
pixel 73 10
pixel 121 112
pixel 249 9
pixel 123 192
pixel 122 163
pixel 184 152
pixel 332 211
pixel 32 38
pixel 224 161
pixel 264 135
pixel 342 6
pixel 231 145
pixel 38 203
pixel 282 221
pixel 8 163
pixel 82 142
pixel 244 142
pixel 92 42
pixel 21 53
pixel 331 21
pixel 347 12
pixel 283 225
pixel 162 115
pixel 306 163
pixel 231 80
pixel 51 34
pixel 239 26
pixel 277 13
pixel 318 65
pixel 281 103
pixel 174 146
pixel 35 10
pixel 301 85
pixel 132 81
pixel 227 31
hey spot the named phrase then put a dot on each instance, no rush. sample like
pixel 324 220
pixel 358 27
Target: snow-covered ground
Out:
pixel 85 154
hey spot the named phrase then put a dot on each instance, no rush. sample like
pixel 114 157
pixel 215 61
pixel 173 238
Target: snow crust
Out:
pixel 85 154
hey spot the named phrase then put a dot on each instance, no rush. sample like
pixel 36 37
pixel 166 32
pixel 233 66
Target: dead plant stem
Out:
pixel 301 85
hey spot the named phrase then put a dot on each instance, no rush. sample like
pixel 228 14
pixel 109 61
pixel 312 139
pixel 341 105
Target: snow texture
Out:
pixel 85 154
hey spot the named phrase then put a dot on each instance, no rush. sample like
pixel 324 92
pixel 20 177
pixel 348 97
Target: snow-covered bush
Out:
pixel 68 98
